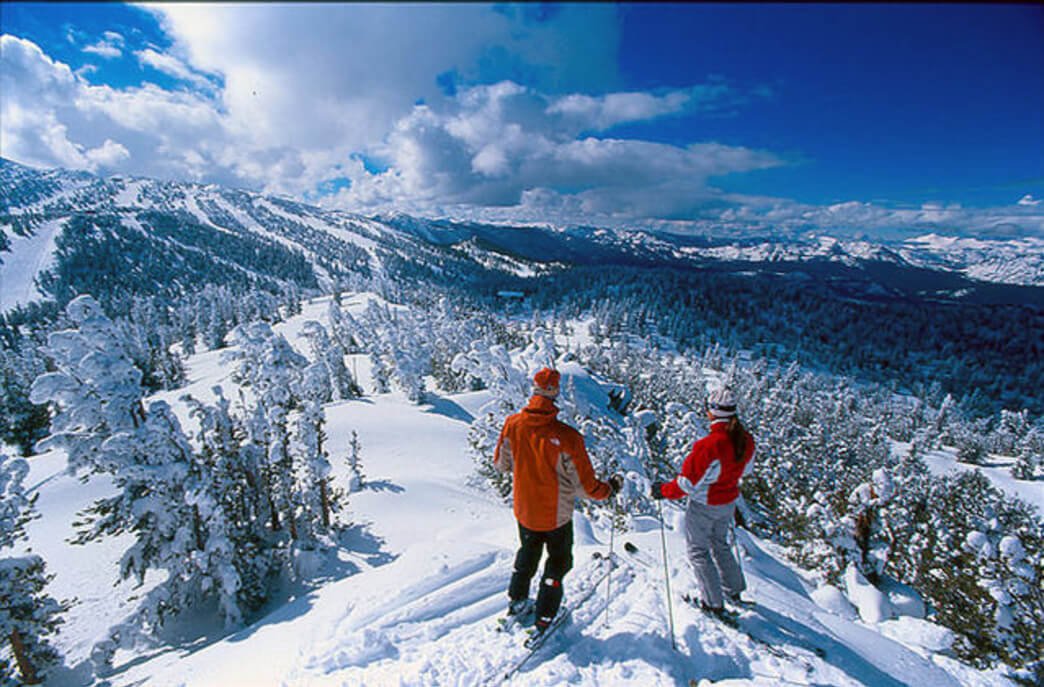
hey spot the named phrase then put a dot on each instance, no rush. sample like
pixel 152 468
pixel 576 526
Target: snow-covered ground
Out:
pixel 28 257
pixel 425 568
pixel 997 469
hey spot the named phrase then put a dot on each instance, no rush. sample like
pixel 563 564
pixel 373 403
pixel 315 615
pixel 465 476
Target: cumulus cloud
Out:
pixel 110 46
pixel 505 145
pixel 598 113
pixel 50 116
pixel 498 114
pixel 171 66
pixel 108 154
pixel 1028 201
pixel 312 76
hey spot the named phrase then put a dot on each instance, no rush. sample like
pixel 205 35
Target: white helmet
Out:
pixel 722 402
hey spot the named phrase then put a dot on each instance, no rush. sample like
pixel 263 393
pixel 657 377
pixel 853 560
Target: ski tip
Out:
pixel 630 548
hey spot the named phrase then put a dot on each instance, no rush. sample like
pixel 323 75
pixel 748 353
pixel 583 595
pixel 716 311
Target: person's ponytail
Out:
pixel 738 436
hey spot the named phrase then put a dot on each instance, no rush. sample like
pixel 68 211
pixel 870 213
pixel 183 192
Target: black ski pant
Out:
pixel 559 544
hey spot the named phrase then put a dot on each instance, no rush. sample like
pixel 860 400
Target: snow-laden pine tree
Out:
pixel 96 389
pixel 344 329
pixel 165 498
pixel 355 468
pixel 328 353
pixel 29 617
pixel 268 365
pixel 233 466
pixel 509 388
pixel 22 423
pixel 168 502
pixel 1029 455
pixel 317 498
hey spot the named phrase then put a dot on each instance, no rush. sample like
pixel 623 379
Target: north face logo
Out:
pixel 555 441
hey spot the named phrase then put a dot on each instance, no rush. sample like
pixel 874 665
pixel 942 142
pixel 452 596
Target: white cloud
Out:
pixel 598 113
pixel 282 99
pixel 171 66
pixel 50 116
pixel 504 145
pixel 305 76
pixel 1028 201
pixel 110 46
pixel 108 154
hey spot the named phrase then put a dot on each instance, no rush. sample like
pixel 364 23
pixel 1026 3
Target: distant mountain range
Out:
pixel 154 235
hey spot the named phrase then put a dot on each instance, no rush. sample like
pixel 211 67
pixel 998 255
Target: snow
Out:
pixel 998 470
pixel 424 570
pixel 873 605
pixel 28 257
pixel 918 634
pixel 128 195
pixel 832 599
pixel 340 232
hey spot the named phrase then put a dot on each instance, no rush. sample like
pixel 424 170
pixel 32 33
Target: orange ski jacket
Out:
pixel 549 463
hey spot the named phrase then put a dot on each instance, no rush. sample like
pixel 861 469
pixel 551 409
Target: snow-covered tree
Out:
pixel 28 616
pixel 22 423
pixel 268 365
pixel 509 387
pixel 167 502
pixel 97 389
pixel 1029 455
pixel 165 498
pixel 329 354
pixel 356 476
pixel 318 500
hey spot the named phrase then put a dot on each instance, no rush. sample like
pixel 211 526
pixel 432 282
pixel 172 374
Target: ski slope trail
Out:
pixel 422 608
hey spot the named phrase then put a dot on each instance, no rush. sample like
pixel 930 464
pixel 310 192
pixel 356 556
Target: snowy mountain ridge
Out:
pixel 36 206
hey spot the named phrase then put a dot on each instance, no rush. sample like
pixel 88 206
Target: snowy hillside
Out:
pixel 421 573
pixel 46 217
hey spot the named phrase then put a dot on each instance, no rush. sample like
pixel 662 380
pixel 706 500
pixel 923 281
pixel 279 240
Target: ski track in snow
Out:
pixel 430 558
pixel 27 258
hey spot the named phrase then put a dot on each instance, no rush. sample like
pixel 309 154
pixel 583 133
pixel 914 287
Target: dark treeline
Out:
pixel 991 357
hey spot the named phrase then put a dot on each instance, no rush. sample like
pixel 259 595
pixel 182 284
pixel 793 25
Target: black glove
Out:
pixel 657 490
pixel 616 483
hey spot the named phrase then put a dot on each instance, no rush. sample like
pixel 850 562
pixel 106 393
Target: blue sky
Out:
pixel 876 119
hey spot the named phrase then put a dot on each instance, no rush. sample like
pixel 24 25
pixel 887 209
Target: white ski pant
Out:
pixel 706 533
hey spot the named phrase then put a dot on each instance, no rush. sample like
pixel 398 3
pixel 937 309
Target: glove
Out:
pixel 616 483
pixel 657 490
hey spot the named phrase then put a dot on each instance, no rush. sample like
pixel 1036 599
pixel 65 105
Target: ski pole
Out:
pixel 609 577
pixel 666 573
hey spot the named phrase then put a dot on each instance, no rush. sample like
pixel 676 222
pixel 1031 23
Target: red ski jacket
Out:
pixel 711 473
pixel 550 465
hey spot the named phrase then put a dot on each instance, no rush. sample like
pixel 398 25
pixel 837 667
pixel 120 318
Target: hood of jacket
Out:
pixel 540 410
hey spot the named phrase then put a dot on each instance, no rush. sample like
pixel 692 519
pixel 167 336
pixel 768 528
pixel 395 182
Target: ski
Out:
pixel 731 618
pixel 508 623
pixel 535 642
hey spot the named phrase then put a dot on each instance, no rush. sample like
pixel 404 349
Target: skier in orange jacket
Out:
pixel 551 469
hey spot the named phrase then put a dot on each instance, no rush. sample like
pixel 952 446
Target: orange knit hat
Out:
pixel 545 382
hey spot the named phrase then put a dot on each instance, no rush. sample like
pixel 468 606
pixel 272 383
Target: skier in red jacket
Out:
pixel 710 478
pixel 551 469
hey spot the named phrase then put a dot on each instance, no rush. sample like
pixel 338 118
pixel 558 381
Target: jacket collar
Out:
pixel 541 405
pixel 720 425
